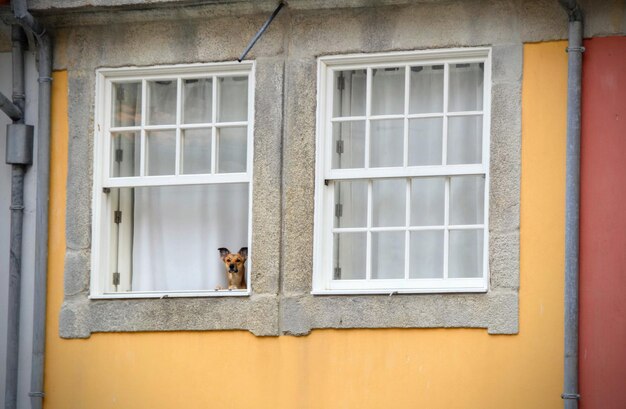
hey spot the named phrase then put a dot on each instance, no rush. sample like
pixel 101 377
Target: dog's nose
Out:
pixel 231 266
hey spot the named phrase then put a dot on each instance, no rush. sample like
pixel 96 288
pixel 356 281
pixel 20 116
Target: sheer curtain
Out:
pixel 175 231
pixel 425 147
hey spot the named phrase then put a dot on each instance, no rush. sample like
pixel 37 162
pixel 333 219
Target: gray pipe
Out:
pixel 18 40
pixel 572 204
pixel 44 51
pixel 10 108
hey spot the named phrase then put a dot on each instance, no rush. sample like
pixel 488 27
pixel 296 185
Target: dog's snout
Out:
pixel 231 266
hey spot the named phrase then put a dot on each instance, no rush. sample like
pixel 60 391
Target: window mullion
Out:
pixel 368 107
pixel 368 248
pixel 405 150
pixel 446 230
pixel 444 150
pixel 178 165
pixel 407 234
pixel 142 154
pixel 213 128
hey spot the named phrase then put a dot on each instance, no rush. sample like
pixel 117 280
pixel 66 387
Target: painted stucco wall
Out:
pixel 433 368
pixel 603 225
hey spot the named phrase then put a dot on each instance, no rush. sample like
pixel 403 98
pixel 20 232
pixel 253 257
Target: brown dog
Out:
pixel 235 268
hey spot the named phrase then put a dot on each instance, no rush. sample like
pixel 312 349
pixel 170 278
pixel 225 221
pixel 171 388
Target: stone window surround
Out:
pixel 280 301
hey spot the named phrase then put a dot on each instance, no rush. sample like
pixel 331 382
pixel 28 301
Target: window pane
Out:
pixel 196 151
pixel 348 145
pixel 388 202
pixel 466 87
pixel 351 203
pixel 465 140
pixel 126 106
pixel 426 90
pixel 467 199
pixel 466 253
pixel 388 255
pixel 427 201
pixel 349 252
pixel 425 143
pixel 125 154
pixel 426 257
pixel 160 152
pixel 161 102
pixel 232 151
pixel 197 100
pixel 386 143
pixel 349 93
pixel 233 96
pixel 388 91
pixel 169 235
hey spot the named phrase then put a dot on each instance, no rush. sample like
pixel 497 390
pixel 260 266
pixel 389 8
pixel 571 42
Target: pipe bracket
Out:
pixel 574 396
pixel 575 49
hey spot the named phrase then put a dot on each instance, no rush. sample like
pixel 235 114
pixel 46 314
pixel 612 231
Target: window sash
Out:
pixel 103 131
pixel 323 282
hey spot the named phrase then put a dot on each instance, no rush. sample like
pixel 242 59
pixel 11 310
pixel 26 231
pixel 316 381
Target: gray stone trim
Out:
pixel 284 166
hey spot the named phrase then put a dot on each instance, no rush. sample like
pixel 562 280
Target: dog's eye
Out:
pixel 228 260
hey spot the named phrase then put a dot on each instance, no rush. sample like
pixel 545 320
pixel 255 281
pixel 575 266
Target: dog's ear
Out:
pixel 243 252
pixel 223 252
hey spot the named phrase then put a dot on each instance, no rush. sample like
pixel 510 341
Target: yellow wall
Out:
pixel 427 368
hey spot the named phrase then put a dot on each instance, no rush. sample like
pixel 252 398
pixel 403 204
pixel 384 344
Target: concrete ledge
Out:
pixel 497 311
pixel 257 314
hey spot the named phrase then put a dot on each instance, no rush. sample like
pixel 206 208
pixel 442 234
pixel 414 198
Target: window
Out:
pixel 403 172
pixel 173 173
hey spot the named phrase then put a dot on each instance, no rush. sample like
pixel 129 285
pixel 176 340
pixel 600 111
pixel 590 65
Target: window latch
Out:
pixel 116 278
pixel 338 210
pixel 117 216
pixel 339 147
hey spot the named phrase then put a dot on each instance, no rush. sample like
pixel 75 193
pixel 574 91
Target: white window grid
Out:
pixel 104 182
pixel 326 176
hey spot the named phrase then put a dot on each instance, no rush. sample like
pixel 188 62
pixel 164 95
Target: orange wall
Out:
pixel 399 368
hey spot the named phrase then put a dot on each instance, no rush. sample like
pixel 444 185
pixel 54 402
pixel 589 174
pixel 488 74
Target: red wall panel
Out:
pixel 603 226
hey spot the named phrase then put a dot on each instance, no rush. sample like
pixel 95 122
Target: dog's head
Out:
pixel 233 261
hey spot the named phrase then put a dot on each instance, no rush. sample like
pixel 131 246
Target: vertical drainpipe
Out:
pixel 44 63
pixel 572 203
pixel 19 158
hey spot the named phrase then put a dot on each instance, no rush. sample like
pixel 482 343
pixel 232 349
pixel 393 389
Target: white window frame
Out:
pixel 324 196
pixel 102 179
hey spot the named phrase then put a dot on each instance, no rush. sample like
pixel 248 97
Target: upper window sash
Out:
pixel 178 73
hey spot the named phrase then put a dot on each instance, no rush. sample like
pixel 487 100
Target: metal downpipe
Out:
pixel 44 54
pixel 572 204
pixel 18 171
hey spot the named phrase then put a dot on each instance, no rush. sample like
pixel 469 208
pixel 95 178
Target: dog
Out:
pixel 235 268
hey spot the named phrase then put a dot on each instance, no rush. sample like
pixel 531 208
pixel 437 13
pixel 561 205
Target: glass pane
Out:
pixel 425 143
pixel 466 87
pixel 351 203
pixel 126 107
pixel 388 91
pixel 233 96
pixel 232 149
pixel 388 202
pixel 161 102
pixel 197 100
pixel 426 257
pixel 125 154
pixel 349 93
pixel 466 253
pixel 160 152
pixel 386 143
pixel 427 201
pixel 169 235
pixel 467 199
pixel 426 95
pixel 348 145
pixel 349 250
pixel 388 254
pixel 196 151
pixel 465 140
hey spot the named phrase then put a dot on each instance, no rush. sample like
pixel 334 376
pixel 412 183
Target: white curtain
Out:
pixel 170 234
pixel 387 250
